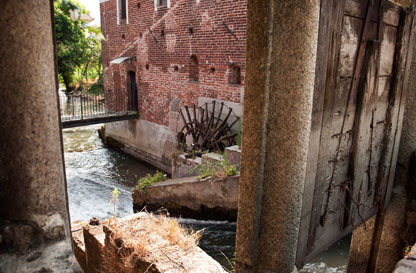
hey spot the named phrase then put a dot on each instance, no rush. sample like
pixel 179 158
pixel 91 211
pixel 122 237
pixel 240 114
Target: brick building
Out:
pixel 165 54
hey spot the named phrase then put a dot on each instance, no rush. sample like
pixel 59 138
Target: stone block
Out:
pixel 233 154
pixel 185 167
pixel 79 246
pixel 192 197
pixel 174 122
pixel 94 247
pixel 211 157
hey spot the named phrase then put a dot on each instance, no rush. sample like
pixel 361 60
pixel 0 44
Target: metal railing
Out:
pixel 83 108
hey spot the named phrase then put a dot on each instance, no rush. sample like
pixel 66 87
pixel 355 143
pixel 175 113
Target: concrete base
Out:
pixel 98 251
pixel 191 197
pixel 146 141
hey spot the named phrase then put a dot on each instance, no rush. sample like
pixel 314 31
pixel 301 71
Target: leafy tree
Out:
pixel 91 57
pixel 75 49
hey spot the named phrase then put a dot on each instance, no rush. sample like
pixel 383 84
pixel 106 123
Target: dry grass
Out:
pixel 144 241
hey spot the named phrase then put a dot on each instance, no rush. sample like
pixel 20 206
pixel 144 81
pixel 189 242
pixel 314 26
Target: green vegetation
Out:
pixel 218 169
pixel 116 193
pixel 113 220
pixel 78 47
pixel 150 180
pixel 231 263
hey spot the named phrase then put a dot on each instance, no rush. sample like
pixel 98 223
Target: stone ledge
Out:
pixel 192 197
pixel 113 244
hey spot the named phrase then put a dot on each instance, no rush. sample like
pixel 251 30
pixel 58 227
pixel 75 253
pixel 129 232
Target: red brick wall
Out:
pixel 169 59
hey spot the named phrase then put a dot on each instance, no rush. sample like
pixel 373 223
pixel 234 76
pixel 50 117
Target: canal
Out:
pixel 93 171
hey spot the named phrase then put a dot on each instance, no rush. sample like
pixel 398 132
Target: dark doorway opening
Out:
pixel 133 96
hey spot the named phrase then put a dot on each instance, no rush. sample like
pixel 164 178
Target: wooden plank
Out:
pixel 331 14
pixel 321 231
pixel 392 14
pixel 348 124
pixel 363 133
pixel 387 51
pixel 338 107
pixel 353 91
pixel 394 120
pixel 350 40
pixel 393 111
pixel 357 8
pixel 407 44
pixel 352 31
pixel 383 99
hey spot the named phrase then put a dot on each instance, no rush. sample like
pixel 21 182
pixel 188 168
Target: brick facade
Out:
pixel 191 49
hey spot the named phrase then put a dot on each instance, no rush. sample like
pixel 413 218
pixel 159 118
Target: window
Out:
pixel 123 13
pixel 162 3
pixel 123 9
pixel 194 69
pixel 234 75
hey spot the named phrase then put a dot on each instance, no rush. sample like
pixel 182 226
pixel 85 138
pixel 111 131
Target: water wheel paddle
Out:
pixel 207 128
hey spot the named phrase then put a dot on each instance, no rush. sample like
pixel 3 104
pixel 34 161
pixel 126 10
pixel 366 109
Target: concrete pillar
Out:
pixel 34 210
pixel 281 56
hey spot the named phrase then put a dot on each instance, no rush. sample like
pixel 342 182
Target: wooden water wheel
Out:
pixel 207 128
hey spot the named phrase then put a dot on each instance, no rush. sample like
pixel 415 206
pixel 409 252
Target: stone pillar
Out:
pixel 370 254
pixel 33 196
pixel 281 56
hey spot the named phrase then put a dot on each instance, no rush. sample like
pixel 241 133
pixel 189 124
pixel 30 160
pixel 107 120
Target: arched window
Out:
pixel 194 69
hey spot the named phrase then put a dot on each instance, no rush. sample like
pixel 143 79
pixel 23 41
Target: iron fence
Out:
pixel 84 105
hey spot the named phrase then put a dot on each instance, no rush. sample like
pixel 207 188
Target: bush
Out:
pixel 150 180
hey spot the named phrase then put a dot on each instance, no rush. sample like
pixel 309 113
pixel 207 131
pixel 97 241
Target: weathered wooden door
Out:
pixel 358 107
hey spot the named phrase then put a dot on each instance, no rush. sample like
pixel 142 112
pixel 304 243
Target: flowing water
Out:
pixel 93 171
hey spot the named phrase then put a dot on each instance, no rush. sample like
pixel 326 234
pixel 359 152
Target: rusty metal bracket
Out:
pixel 230 30
pixel 153 36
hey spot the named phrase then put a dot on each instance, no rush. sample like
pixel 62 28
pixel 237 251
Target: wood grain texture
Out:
pixel 356 122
